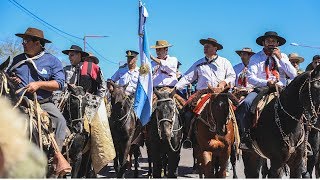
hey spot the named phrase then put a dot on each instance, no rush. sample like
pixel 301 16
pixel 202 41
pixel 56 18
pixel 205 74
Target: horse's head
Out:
pixel 165 113
pixel 120 102
pixel 219 107
pixel 76 105
pixel 309 92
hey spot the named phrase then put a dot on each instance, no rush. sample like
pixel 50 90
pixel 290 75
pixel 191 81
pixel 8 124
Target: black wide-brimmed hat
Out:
pixel 76 49
pixel 211 41
pixel 34 33
pixel 273 34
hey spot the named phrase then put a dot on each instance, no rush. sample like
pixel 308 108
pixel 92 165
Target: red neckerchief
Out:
pixel 242 79
pixel 273 68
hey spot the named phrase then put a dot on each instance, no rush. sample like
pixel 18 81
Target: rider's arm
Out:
pixel 287 67
pixel 253 72
pixel 230 74
pixel 190 76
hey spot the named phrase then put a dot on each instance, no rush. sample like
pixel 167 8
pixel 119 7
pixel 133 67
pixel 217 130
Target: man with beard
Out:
pixel 266 68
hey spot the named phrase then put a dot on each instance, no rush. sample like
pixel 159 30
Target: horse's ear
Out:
pixel 125 86
pixel 5 64
pixel 71 88
pixel 315 71
pixel 173 92
pixel 156 92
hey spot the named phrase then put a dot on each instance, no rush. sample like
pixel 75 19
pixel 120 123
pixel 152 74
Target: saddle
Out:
pixel 180 102
pixel 265 95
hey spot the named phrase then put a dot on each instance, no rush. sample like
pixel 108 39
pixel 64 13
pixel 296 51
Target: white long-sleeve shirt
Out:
pixel 123 76
pixel 218 70
pixel 165 73
pixel 257 74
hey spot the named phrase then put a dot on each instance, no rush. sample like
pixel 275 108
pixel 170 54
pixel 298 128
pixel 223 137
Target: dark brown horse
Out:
pixel 280 133
pixel 73 111
pixel 125 128
pixel 215 135
pixel 165 133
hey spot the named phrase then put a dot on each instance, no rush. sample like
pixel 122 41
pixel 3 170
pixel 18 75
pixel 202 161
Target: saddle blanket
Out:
pixel 102 147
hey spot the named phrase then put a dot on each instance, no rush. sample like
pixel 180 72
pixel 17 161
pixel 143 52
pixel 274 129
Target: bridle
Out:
pixel 171 121
pixel 315 115
pixel 314 112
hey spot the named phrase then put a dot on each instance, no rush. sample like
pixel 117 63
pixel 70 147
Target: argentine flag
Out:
pixel 143 96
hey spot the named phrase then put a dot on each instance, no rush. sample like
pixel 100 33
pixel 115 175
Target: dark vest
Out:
pixel 89 77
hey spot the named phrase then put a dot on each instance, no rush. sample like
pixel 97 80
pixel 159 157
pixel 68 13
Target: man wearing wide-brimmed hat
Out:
pixel 266 68
pixel 85 72
pixel 241 69
pixel 41 72
pixel 75 55
pixel 128 73
pixel 210 71
pixel 164 66
pixel 295 60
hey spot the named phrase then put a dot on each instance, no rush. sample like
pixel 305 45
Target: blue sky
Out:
pixel 235 24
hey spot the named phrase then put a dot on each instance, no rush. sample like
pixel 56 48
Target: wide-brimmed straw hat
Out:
pixel 161 44
pixel 76 49
pixel 295 56
pixel 211 41
pixel 273 34
pixel 92 57
pixel 131 53
pixel 34 33
pixel 246 50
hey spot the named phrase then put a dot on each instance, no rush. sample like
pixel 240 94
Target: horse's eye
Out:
pixel 317 84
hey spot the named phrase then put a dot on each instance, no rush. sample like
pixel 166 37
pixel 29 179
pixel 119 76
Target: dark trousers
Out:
pixel 243 114
pixel 58 121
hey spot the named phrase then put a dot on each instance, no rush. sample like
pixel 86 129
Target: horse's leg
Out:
pixel 276 169
pixel 164 165
pixel 136 160
pixel 252 164
pixel 233 159
pixel 149 158
pixel 207 165
pixel 173 163
pixel 157 164
pixel 264 168
pixel 125 148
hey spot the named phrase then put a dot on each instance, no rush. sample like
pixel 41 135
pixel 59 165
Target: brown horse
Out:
pixel 215 135
pixel 125 128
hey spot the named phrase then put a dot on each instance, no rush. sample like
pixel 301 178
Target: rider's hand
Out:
pixel 277 53
pixel 271 83
pixel 15 79
pixel 222 85
pixel 33 87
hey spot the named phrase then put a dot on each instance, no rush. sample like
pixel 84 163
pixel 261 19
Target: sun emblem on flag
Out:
pixel 144 69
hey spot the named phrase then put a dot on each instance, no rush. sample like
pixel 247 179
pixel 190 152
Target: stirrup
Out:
pixel 309 149
pixel 187 144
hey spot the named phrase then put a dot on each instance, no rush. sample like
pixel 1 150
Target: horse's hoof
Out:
pixel 306 175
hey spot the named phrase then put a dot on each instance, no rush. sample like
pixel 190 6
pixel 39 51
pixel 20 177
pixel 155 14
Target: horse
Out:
pixel 39 128
pixel 73 106
pixel 214 131
pixel 280 134
pixel 125 128
pixel 165 134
